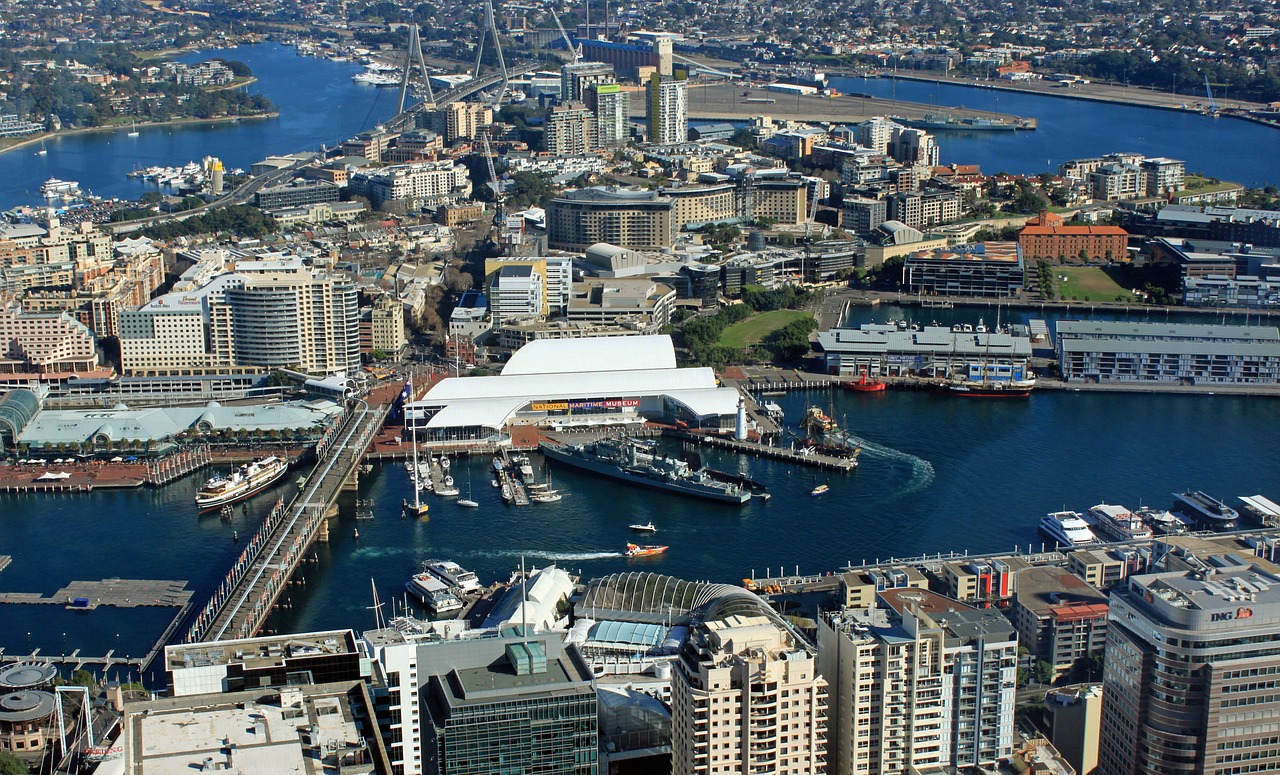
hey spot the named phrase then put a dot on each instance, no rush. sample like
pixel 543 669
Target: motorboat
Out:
pixel 645 528
pixel 1067 528
pixel 452 574
pixel 636 550
pixel 821 489
pixel 433 593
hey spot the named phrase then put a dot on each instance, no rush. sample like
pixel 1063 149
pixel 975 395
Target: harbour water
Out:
pixel 1227 148
pixel 938 473
pixel 320 104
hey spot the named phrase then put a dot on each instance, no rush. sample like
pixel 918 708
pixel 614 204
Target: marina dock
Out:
pixel 4 561
pixel 116 593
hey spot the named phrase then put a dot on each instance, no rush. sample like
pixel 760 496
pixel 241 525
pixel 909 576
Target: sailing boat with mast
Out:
pixel 43 151
pixel 987 387
pixel 133 132
pixel 417 508
pixel 468 502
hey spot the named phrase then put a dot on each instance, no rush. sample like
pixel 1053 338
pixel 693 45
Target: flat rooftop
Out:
pixel 260 652
pixel 1043 588
pixel 1223 590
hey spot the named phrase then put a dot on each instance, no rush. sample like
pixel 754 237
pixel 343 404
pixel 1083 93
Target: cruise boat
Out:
pixel 1067 528
pixel 1119 523
pixel 55 189
pixel 433 593
pixel 452 574
pixel 1206 511
pixel 622 459
pixel 821 489
pixel 247 480
pixel 635 550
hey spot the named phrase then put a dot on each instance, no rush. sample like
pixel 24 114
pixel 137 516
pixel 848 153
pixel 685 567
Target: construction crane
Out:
pixel 575 52
pixel 1208 93
pixel 813 212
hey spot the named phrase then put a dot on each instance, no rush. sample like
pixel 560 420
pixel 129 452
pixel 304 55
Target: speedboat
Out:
pixel 1067 528
pixel 645 528
pixel 635 550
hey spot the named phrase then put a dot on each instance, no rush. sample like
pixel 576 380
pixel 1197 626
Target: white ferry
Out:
pixel 54 188
pixel 433 593
pixel 453 575
pixel 247 480
pixel 1119 523
pixel 1067 528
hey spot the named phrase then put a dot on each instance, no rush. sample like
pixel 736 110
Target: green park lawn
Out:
pixel 1088 283
pixel 751 331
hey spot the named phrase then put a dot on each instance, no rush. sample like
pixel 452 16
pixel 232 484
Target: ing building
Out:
pixel 1191 673
pixel 668 110
pixel 919 683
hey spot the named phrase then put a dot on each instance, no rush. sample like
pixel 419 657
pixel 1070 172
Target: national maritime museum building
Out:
pixel 567 384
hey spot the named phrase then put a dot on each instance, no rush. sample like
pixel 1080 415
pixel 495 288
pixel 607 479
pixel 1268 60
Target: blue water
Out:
pixel 318 104
pixel 1226 148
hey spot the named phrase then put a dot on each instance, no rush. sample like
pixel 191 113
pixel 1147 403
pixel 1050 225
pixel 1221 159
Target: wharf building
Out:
pixel 1178 354
pixel 984 269
pixel 267 314
pixel 919 683
pixel 1190 672
pixel 933 352
pixel 576 383
pixel 1060 619
pixel 519 701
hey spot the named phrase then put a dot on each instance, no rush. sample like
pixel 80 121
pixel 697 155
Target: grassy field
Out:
pixel 1087 283
pixel 750 331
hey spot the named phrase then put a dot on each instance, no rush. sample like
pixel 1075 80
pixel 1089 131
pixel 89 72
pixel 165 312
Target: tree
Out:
pixel 11 765
pixel 1044 672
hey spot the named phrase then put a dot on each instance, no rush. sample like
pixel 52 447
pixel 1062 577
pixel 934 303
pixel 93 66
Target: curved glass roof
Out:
pixel 651 597
pixel 17 408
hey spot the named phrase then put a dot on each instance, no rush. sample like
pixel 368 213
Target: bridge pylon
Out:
pixel 413 56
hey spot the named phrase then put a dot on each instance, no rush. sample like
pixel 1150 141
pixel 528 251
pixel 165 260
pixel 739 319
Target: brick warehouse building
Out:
pixel 1048 237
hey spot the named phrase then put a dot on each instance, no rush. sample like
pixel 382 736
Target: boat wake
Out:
pixel 555 556
pixel 922 473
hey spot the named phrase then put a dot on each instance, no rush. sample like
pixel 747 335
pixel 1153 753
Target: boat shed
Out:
pixel 1263 509
pixel 561 384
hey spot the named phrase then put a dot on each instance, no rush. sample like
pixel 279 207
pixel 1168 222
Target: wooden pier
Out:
pixel 74 659
pixel 825 462
pixel 4 561
pixel 115 593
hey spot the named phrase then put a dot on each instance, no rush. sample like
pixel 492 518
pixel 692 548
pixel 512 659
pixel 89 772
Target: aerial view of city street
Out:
pixel 607 388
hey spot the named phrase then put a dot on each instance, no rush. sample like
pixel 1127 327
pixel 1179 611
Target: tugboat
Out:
pixel 635 550
pixel 864 385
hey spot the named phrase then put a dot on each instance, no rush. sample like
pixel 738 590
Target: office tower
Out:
pixel 570 130
pixel 1191 671
pixel 478 706
pixel 668 110
pixel 918 682
pixel 613 109
pixel 577 78
pixel 746 698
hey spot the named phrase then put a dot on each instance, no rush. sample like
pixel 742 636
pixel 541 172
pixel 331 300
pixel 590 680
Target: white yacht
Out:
pixel 1067 528
pixel 452 574
pixel 433 593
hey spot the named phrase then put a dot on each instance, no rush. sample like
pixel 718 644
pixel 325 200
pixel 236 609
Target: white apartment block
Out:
pixel 1164 175
pixel 613 110
pixel 668 111
pixel 422 183
pixel 516 292
pixel 919 682
pixel 746 697
pixel 877 133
